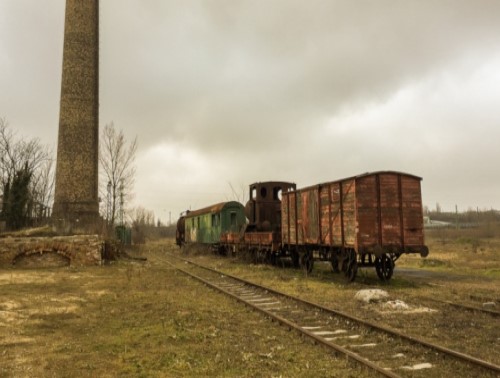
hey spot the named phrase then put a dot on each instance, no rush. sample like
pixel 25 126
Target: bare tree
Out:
pixel 116 157
pixel 42 189
pixel 238 196
pixel 142 222
pixel 28 157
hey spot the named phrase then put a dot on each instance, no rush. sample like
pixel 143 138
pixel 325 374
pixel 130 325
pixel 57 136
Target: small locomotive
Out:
pixel 368 220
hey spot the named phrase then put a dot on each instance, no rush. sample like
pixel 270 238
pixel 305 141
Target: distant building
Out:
pixel 429 223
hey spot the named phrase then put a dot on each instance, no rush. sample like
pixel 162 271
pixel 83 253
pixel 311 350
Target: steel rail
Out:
pixel 465 307
pixel 461 356
pixel 354 356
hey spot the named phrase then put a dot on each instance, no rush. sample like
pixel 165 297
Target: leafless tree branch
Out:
pixel 116 158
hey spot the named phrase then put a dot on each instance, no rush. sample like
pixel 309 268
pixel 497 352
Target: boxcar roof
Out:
pixel 360 176
pixel 218 207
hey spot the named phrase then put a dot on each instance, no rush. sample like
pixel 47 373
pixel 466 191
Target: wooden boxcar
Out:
pixel 366 220
pixel 214 224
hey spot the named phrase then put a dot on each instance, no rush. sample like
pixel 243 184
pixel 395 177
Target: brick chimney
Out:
pixel 76 203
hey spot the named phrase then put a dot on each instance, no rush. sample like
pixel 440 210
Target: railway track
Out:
pixel 465 307
pixel 387 351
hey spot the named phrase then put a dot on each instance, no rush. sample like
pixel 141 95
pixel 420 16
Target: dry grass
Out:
pixel 460 252
pixel 144 319
pixel 141 319
pixel 458 269
pixel 31 232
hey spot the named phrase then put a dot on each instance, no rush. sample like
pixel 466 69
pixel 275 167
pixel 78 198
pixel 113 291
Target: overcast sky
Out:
pixel 223 93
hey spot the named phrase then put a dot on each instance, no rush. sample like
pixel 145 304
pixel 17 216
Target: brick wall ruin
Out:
pixel 42 252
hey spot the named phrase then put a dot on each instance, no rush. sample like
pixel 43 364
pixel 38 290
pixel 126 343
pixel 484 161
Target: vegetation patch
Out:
pixel 434 263
pixel 144 319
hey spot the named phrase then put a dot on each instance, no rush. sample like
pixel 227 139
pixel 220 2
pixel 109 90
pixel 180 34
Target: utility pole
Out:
pixel 121 202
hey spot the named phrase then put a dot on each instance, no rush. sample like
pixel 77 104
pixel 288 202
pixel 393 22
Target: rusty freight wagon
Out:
pixel 368 220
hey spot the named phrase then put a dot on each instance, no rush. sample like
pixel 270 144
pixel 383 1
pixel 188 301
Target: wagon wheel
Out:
pixel 384 267
pixel 295 259
pixel 268 257
pixel 335 264
pixel 350 266
pixel 254 255
pixel 352 271
pixel 263 256
pixel 273 258
pixel 307 262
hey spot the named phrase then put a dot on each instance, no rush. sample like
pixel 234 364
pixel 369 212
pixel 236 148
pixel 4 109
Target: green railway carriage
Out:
pixel 215 223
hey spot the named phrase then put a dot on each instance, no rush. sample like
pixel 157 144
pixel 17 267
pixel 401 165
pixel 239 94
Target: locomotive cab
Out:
pixel 263 209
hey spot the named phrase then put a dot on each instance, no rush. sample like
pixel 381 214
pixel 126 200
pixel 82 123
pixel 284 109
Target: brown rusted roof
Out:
pixel 360 176
pixel 212 209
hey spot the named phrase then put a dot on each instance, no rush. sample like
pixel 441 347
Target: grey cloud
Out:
pixel 255 83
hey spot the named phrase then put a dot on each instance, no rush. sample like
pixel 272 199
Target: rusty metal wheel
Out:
pixel 222 250
pixel 350 265
pixel 295 259
pixel 254 255
pixel 352 271
pixel 273 258
pixel 335 263
pixel 307 262
pixel 384 267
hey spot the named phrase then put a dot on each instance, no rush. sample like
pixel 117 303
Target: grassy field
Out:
pixel 460 251
pixel 140 320
pixel 134 318
pixel 459 268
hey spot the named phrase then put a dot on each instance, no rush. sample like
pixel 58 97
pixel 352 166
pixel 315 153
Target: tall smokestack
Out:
pixel 76 203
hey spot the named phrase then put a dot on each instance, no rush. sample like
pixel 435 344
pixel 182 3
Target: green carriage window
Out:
pixel 233 218
pixel 215 220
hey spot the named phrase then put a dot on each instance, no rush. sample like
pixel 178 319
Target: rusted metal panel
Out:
pixel 230 238
pixel 376 212
pixel 309 216
pixel 261 239
pixel 293 219
pixel 336 214
pixel 389 212
pixel 348 212
pixel 368 198
pixel 325 218
pixel 390 209
pixel 299 221
pixel 287 214
pixel 285 232
pixel 412 211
